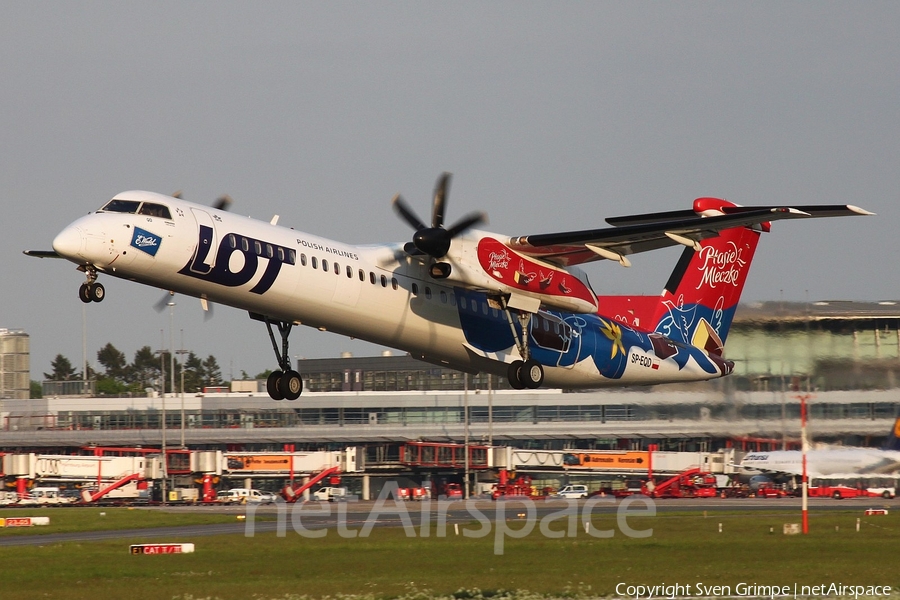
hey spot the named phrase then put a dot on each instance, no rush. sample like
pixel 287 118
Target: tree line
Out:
pixel 145 371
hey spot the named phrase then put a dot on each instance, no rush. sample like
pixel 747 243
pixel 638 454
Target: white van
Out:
pixel 245 496
pixel 573 491
pixel 330 494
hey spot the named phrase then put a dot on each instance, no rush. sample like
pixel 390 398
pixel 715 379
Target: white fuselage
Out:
pixel 822 463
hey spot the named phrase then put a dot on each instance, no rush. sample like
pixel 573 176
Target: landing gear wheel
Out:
pixel 84 292
pixel 531 375
pixel 291 385
pixel 273 385
pixel 513 374
pixel 97 292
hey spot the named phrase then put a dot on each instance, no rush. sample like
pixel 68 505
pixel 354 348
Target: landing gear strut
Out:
pixel 525 373
pixel 91 291
pixel 285 383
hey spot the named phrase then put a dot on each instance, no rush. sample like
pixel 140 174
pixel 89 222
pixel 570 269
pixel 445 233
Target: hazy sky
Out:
pixel 551 116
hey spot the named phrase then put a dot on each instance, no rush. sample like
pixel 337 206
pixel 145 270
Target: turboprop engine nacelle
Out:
pixel 488 264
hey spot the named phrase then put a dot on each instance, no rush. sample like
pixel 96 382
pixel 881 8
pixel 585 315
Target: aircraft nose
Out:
pixel 69 242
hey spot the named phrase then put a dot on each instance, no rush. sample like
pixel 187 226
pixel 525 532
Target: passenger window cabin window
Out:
pixel 303 259
pixel 427 293
pixel 281 254
pixel 324 265
pixel 349 272
pixel 394 283
pixel 383 281
pixel 232 241
pixel 337 269
pixel 293 256
pixel 257 247
pixel 269 251
pixel 415 289
pixel 443 297
pixel 452 299
pixel 245 244
pixel 362 275
pixel 484 308
pixel 314 262
pixel 372 277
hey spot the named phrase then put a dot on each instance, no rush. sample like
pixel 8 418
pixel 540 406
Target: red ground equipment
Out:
pixel 692 483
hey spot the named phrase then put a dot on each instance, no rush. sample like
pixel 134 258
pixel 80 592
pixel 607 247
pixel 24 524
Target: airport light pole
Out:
pixel 182 352
pixel 466 425
pixel 162 389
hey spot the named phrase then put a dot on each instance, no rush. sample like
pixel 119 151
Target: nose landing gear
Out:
pixel 91 291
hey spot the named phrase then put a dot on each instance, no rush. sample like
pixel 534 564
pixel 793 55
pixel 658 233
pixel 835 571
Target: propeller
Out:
pixel 435 240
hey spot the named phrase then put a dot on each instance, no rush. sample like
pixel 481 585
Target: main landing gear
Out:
pixel 525 373
pixel 91 291
pixel 284 383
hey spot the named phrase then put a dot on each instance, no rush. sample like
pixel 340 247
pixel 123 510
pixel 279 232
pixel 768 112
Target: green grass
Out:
pixel 73 519
pixel 685 548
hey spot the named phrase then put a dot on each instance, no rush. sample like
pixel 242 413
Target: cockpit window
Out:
pixel 155 210
pixel 121 206
pixel 134 207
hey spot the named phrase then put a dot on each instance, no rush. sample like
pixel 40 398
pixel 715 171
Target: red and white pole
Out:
pixel 804 445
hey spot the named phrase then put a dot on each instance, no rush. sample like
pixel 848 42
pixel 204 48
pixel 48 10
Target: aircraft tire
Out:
pixel 531 375
pixel 273 385
pixel 513 374
pixel 84 292
pixel 97 292
pixel 291 385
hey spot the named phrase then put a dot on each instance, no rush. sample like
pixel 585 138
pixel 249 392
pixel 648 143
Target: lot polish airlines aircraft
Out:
pixel 469 299
pixel 831 461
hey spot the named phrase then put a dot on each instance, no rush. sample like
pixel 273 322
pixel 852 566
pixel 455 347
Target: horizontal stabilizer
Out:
pixel 42 253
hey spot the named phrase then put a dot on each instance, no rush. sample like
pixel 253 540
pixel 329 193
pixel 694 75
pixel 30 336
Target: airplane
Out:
pixel 830 461
pixel 476 301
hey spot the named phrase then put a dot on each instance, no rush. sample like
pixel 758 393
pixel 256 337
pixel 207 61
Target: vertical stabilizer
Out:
pixel 893 440
pixel 702 294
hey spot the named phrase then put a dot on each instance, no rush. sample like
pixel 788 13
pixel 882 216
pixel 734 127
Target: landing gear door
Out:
pixel 204 254
pixel 555 335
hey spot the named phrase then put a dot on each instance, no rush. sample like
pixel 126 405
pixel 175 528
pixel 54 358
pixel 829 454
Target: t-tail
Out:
pixel 698 302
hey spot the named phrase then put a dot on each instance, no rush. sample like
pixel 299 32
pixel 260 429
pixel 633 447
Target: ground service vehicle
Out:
pixel 245 496
pixel 573 491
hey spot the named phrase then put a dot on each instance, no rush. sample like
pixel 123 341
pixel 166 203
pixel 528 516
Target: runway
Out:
pixel 354 515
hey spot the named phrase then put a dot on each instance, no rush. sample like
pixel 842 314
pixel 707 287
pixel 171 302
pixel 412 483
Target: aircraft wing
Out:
pixel 642 233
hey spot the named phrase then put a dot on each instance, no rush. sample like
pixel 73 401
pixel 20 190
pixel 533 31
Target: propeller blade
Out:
pixel 441 189
pixel 407 213
pixel 466 222
pixel 410 248
pixel 223 202
pixel 163 302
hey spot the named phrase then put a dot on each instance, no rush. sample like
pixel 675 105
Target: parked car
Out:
pixel 573 491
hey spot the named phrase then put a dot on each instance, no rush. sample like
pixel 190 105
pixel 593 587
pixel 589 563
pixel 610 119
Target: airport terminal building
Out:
pixel 843 356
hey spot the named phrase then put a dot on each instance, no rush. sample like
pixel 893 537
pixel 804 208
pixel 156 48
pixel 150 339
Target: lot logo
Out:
pixel 145 241
pixel 249 252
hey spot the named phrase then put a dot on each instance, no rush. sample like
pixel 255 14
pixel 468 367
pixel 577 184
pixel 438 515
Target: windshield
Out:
pixel 134 207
